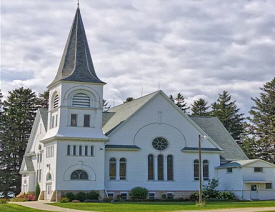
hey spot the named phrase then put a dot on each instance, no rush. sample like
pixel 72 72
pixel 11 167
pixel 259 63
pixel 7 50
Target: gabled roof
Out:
pixel 76 62
pixel 116 115
pixel 27 162
pixel 242 163
pixel 215 130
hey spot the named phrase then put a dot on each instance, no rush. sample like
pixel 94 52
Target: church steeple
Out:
pixel 76 63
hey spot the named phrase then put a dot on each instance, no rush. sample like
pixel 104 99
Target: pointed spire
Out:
pixel 76 62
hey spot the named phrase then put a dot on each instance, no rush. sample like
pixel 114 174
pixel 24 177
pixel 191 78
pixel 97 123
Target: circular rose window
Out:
pixel 160 143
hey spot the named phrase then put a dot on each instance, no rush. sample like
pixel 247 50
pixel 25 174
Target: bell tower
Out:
pixel 74 130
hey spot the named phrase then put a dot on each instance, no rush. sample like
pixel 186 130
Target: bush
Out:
pixel 3 201
pixel 63 200
pixel 70 196
pixel 163 196
pixel 138 193
pixel 226 195
pixel 108 199
pixel 92 195
pixel 81 196
pixel 37 191
pixel 209 190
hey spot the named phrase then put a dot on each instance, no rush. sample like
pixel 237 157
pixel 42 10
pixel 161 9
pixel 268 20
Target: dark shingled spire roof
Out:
pixel 76 62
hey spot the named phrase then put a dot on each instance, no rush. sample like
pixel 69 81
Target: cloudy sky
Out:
pixel 198 48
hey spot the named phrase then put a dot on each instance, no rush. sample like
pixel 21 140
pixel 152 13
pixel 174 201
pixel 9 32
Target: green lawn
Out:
pixel 17 208
pixel 161 206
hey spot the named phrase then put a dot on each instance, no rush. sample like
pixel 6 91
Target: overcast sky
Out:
pixel 198 48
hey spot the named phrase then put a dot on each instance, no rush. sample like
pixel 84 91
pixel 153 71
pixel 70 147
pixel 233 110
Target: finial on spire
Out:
pixel 77 3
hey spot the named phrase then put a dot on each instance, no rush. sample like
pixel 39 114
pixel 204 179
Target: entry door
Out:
pixel 254 192
pixel 48 191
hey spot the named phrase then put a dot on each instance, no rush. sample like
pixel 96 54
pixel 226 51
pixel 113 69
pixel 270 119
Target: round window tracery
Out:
pixel 160 143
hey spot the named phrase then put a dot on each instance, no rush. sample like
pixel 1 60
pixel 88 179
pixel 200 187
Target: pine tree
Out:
pixel 199 108
pixel 19 112
pixel 263 121
pixel 43 100
pixel 180 102
pixel 128 99
pixel 228 113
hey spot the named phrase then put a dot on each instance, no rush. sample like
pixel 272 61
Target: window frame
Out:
pixel 196 167
pixel 121 193
pixel 260 169
pixel 79 172
pixel 121 171
pixel 205 171
pixel 73 120
pixel 170 168
pixel 160 162
pixel 112 168
pixel 87 124
pixel 151 173
pixel 154 195
pixel 268 186
pixel 229 172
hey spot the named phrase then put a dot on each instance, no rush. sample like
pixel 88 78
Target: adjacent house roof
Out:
pixel 76 63
pixel 215 129
pixel 241 163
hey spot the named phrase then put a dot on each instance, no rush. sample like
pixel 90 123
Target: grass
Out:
pixel 17 208
pixel 162 206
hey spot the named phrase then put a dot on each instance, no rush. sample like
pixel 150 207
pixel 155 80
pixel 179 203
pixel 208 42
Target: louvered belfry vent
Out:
pixel 81 100
pixel 55 101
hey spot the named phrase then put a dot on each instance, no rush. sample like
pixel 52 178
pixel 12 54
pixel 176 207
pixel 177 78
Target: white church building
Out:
pixel 149 142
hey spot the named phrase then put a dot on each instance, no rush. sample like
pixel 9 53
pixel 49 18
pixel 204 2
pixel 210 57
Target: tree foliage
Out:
pixel 128 99
pixel 180 102
pixel 199 108
pixel 262 121
pixel 43 100
pixel 19 112
pixel 228 113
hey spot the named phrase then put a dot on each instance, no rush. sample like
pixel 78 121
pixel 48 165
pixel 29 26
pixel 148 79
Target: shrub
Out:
pixel 63 200
pixel 92 195
pixel 163 196
pixel 226 195
pixel 70 196
pixel 3 201
pixel 37 191
pixel 138 193
pixel 209 190
pixel 81 196
pixel 108 199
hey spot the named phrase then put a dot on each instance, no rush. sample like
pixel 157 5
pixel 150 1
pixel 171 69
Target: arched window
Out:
pixel 196 169
pixel 55 101
pixel 122 169
pixel 81 100
pixel 79 175
pixel 68 149
pixel 205 170
pixel 170 173
pixel 48 176
pixel 151 167
pixel 112 169
pixel 160 167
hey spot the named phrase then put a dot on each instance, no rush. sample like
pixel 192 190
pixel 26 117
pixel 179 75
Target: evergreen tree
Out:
pixel 199 108
pixel 43 100
pixel 19 112
pixel 180 102
pixel 228 113
pixel 128 99
pixel 171 97
pixel 263 121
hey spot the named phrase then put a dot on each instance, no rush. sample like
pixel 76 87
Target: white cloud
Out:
pixel 198 48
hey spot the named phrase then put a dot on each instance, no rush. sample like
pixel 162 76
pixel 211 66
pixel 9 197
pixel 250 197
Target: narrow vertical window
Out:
pixel 74 150
pixel 92 150
pixel 80 150
pixel 86 120
pixel 196 169
pixel 56 118
pixel 69 150
pixel 73 120
pixel 55 101
pixel 86 150
pixel 170 169
pixel 40 157
pixel 205 170
pixel 150 167
pixel 160 167
pixel 112 169
pixel 122 169
pixel 52 122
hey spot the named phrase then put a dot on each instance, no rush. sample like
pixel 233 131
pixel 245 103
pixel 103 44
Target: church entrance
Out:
pixel 48 191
